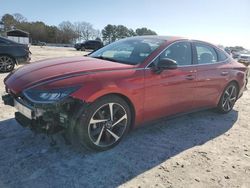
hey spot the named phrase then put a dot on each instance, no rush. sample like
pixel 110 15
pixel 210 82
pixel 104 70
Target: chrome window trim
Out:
pixel 219 62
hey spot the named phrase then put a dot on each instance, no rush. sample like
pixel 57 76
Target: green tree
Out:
pixel 144 31
pixel 131 33
pixel 8 21
pixel 67 32
pixel 53 34
pixel 122 32
pixel 109 33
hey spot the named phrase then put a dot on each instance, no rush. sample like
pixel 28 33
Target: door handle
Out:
pixel 224 73
pixel 189 77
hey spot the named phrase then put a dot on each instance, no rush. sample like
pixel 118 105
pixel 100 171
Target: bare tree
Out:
pixel 68 33
pixel 84 30
pixel 19 17
pixel 98 34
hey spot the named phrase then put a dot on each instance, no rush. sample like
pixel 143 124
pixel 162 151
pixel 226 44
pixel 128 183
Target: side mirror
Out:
pixel 165 63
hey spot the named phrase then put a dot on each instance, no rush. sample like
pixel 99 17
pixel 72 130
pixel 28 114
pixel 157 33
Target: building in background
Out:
pixel 1 28
pixel 19 36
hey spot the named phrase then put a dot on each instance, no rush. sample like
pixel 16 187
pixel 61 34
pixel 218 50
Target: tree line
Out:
pixel 67 32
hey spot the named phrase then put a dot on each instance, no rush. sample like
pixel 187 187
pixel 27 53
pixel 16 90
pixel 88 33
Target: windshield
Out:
pixel 129 51
pixel 5 40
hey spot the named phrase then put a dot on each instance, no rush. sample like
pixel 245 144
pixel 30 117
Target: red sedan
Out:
pixel 97 99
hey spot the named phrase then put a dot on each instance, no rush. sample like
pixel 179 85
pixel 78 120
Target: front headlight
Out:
pixel 48 96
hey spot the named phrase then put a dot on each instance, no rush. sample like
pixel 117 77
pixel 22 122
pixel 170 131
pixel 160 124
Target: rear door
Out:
pixel 171 91
pixel 212 74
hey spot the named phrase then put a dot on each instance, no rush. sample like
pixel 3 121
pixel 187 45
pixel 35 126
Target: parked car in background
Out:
pixel 244 58
pixel 235 54
pixel 89 44
pixel 39 43
pixel 12 53
pixel 97 99
pixel 228 51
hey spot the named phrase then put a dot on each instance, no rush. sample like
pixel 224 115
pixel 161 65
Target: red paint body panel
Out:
pixel 152 95
pixel 168 93
pixel 41 71
pixel 129 83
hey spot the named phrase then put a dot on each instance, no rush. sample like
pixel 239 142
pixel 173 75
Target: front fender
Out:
pixel 129 86
pixel 128 83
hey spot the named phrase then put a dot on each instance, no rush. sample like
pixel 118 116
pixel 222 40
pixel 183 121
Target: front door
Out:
pixel 171 91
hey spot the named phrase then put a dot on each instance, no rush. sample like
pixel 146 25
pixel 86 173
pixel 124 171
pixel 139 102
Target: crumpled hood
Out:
pixel 46 70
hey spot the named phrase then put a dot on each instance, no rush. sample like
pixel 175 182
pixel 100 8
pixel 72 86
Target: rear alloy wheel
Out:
pixel 228 98
pixel 7 63
pixel 105 123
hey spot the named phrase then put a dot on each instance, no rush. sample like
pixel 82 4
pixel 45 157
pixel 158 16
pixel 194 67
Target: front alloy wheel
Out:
pixel 7 64
pixel 105 123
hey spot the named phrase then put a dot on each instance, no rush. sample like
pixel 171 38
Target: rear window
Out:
pixel 205 53
pixel 180 52
pixel 221 55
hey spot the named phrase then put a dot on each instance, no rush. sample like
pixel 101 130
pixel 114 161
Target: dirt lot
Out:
pixel 202 149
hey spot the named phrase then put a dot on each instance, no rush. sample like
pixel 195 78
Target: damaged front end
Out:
pixel 44 116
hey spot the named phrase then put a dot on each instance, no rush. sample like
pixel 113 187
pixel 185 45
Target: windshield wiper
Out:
pixel 111 59
pixel 105 58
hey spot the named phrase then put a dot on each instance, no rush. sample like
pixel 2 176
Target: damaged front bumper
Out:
pixel 47 118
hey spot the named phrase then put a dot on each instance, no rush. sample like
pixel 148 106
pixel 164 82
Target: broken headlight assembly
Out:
pixel 48 96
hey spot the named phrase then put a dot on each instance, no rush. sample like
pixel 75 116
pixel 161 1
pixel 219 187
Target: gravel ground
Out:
pixel 202 149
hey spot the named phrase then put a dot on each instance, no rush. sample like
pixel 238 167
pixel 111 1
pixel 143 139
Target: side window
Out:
pixel 180 52
pixel 96 44
pixel 205 53
pixel 90 43
pixel 221 55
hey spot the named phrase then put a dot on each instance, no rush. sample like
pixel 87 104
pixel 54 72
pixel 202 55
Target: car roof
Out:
pixel 92 41
pixel 167 38
pixel 170 38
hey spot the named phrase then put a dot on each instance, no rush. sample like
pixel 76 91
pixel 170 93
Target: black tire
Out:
pixel 69 133
pixel 84 127
pixel 82 48
pixel 7 63
pixel 226 103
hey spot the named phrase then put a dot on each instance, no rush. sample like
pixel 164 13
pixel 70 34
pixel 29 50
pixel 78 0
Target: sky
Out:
pixel 225 22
